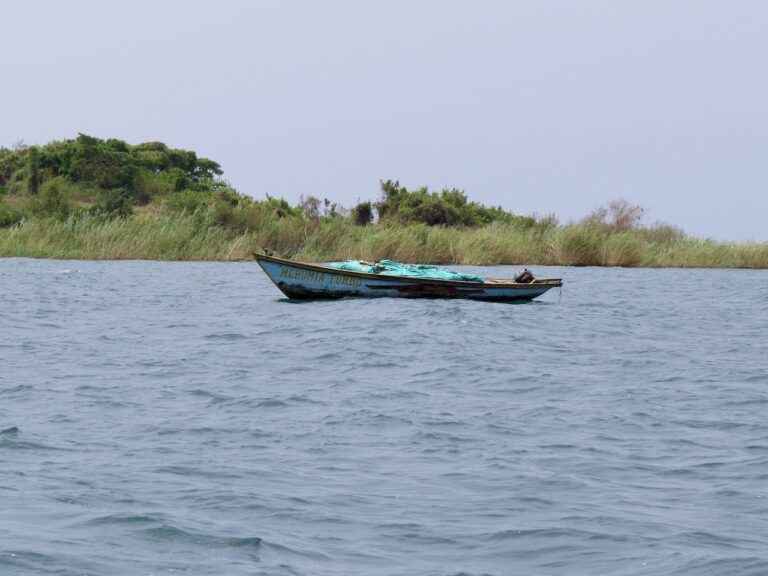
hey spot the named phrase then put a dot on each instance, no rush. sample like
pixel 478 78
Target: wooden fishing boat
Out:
pixel 299 280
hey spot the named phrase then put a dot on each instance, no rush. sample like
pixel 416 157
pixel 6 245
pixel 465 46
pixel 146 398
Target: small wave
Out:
pixel 716 424
pixel 380 417
pixel 169 533
pixel 400 526
pixel 711 465
pixel 446 423
pixel 304 553
pixel 669 379
pixel 271 403
pixel 17 388
pixel 423 539
pixel 535 500
pixel 747 566
pixel 753 402
pixel 10 442
pixel 727 493
pixel 381 364
pixel 554 532
pixel 210 395
pixel 202 431
pixel 301 399
pixel 214 473
pixel 709 540
pixel 12 431
pixel 26 560
pixel 677 472
pixel 130 519
pixel 226 336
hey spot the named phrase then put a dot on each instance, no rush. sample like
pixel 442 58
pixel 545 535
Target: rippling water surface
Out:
pixel 160 418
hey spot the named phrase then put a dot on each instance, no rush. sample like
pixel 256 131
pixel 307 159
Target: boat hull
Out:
pixel 302 281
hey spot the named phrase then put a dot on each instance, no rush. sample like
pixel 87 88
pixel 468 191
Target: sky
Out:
pixel 540 106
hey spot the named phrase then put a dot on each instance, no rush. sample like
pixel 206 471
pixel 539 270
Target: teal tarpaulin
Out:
pixel 389 268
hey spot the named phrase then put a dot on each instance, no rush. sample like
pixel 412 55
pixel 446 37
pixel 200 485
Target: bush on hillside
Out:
pixel 450 207
pixel 144 170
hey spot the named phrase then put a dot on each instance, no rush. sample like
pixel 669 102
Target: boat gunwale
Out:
pixel 496 282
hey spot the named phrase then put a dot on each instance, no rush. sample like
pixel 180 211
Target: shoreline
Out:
pixel 94 199
pixel 180 237
pixel 443 264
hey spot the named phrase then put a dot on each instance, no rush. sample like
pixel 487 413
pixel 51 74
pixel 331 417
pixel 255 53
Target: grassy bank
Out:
pixel 105 199
pixel 157 236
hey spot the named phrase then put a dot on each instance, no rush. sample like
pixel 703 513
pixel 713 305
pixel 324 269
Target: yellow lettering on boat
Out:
pixel 316 276
pixel 307 275
pixel 344 280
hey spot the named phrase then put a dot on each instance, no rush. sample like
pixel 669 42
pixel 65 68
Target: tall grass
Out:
pixel 90 237
pixel 697 253
pixel 161 203
pixel 157 235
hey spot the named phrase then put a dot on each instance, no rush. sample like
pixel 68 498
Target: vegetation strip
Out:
pixel 88 198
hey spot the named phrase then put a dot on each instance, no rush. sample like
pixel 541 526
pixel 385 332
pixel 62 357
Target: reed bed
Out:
pixel 165 204
pixel 168 236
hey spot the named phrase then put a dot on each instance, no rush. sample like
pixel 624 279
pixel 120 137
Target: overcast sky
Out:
pixel 539 106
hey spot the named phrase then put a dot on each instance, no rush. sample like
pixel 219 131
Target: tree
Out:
pixel 362 214
pixel 616 215
pixel 33 170
pixel 310 207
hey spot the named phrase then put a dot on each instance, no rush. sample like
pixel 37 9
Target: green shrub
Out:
pixel 10 216
pixel 362 214
pixel 450 207
pixel 117 202
pixel 187 202
pixel 52 200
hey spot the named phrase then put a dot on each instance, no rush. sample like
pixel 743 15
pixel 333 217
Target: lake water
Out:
pixel 182 418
